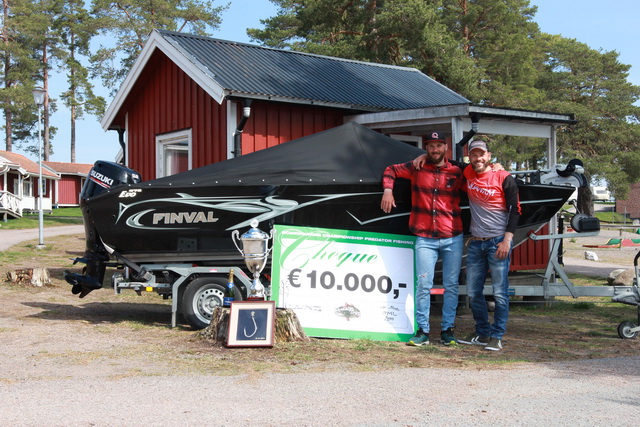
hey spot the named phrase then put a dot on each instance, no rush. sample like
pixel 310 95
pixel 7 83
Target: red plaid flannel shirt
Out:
pixel 435 197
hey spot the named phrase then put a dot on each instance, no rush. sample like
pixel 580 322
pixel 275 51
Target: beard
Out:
pixel 435 158
pixel 480 167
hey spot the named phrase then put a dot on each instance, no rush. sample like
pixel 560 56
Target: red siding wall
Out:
pixel 167 100
pixel 69 188
pixel 274 123
pixel 531 255
pixel 11 178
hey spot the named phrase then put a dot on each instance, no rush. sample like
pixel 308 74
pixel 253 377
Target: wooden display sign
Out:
pixel 251 324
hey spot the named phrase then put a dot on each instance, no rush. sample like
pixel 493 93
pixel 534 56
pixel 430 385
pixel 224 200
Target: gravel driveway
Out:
pixel 586 393
pixel 9 238
pixel 74 392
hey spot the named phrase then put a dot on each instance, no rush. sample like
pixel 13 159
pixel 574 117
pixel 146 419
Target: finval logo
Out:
pixel 183 218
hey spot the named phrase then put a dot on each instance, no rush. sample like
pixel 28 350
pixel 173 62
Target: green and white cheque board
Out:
pixel 345 284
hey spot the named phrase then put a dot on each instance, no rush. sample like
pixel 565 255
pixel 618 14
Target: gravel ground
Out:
pixel 76 393
pixel 11 237
pixel 586 393
pixel 609 259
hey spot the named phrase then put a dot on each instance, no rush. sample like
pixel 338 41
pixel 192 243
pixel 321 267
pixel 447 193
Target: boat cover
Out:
pixel 347 154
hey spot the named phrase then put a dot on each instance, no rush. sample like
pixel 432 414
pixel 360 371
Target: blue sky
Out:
pixel 600 24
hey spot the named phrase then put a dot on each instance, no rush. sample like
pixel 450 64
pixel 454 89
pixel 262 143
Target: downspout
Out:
pixel 237 134
pixel 122 145
pixel 475 119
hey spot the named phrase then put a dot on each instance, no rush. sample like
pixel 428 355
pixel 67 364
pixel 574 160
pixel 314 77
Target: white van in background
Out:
pixel 600 194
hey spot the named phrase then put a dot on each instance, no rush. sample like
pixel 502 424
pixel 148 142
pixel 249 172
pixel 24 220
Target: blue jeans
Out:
pixel 481 258
pixel 427 252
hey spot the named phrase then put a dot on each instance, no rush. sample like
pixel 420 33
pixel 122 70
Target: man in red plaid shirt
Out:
pixel 436 221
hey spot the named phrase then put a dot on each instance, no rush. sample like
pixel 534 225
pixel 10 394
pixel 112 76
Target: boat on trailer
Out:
pixel 331 179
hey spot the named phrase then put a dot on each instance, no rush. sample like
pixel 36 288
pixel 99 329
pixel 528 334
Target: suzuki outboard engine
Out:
pixel 102 177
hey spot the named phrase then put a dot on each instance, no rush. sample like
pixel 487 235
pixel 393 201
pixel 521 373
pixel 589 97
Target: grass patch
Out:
pixel 607 216
pixel 366 344
pixel 489 358
pixel 57 254
pixel 31 221
pixel 138 325
pixel 129 330
pixel 10 257
pixel 67 212
pixel 612 217
pixel 57 217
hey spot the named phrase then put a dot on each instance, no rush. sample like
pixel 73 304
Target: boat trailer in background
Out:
pixel 545 286
pixel 631 296
pixel 584 226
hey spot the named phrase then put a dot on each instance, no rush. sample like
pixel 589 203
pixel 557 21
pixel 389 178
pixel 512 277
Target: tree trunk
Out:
pixel 30 276
pixel 585 201
pixel 8 116
pixel 72 90
pixel 73 132
pixel 287 328
pixel 7 68
pixel 46 145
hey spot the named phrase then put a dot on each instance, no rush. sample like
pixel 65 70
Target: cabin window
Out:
pixel 30 187
pixel 174 153
pixel 414 140
pixel 27 188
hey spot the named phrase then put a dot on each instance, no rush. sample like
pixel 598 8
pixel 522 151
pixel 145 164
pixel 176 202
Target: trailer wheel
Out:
pixel 200 297
pixel 624 330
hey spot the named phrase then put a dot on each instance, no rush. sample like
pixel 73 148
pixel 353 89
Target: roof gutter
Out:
pixel 237 134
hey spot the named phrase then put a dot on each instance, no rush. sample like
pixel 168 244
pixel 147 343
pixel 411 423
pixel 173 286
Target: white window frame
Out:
pixel 28 187
pixel 172 140
pixel 415 140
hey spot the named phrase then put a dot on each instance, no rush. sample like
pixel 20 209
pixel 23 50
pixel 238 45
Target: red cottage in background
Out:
pixel 19 185
pixel 66 191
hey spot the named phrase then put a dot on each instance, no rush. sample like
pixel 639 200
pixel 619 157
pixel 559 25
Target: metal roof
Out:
pixel 251 71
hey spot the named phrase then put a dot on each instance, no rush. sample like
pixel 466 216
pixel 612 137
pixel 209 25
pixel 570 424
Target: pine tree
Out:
pixel 75 28
pixel 35 19
pixel 130 22
pixel 594 86
pixel 18 68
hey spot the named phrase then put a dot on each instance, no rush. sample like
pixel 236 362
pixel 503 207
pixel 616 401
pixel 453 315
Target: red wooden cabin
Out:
pixel 66 191
pixel 190 101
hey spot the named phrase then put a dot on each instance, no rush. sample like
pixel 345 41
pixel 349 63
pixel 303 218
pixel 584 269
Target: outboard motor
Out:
pixel 569 174
pixel 102 177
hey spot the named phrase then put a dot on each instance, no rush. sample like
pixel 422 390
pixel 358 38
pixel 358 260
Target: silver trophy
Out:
pixel 255 250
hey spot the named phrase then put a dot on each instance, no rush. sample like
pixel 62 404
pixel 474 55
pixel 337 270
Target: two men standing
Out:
pixel 436 221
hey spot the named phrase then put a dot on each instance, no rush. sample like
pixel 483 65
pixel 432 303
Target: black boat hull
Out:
pixel 331 179
pixel 194 225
